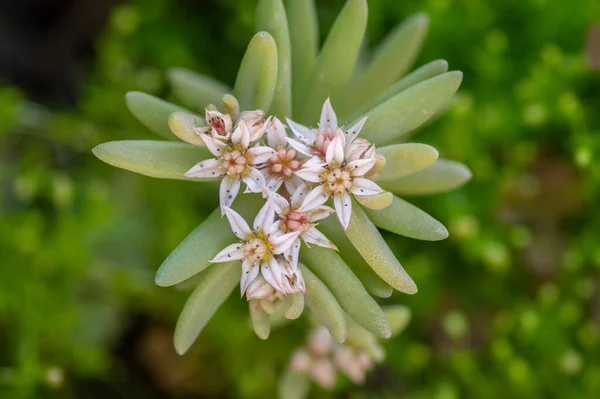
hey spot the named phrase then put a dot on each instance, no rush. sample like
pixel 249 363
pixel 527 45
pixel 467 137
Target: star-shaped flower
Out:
pixel 221 125
pixel 258 248
pixel 236 161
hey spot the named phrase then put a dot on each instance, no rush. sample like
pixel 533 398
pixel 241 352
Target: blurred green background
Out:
pixel 508 306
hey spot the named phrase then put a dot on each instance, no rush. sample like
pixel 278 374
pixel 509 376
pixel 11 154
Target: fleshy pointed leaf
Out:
pixel 195 90
pixel 406 219
pixel 152 112
pixel 296 307
pixel 195 252
pixel 391 60
pixel 360 338
pixel 260 320
pixel 421 74
pixel 271 17
pixel 405 159
pixel 444 175
pixel 377 201
pixel 323 304
pixel 372 282
pixel 336 61
pixel 304 39
pixel 370 244
pixel 257 76
pixel 347 288
pixel 212 291
pixel 153 158
pixel 294 385
pixel 398 316
pixel 182 125
pixel 410 108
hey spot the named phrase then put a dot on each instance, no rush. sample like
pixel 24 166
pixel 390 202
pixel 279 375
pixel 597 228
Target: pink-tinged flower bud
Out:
pixel 323 373
pixel 252 117
pixel 365 361
pixel 259 288
pixel 320 342
pixel 301 361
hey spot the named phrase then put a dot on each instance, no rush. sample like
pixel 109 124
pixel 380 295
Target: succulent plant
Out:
pixel 288 181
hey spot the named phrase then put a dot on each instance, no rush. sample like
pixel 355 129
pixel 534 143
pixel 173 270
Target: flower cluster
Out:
pixel 296 177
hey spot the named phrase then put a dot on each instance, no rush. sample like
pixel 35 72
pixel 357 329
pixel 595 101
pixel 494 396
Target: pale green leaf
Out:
pixel 377 201
pixel 347 288
pixel 296 307
pixel 260 320
pixel 152 112
pixel 390 60
pixel 304 39
pixel 370 244
pixel 372 282
pixel 444 175
pixel 271 17
pixel 182 125
pixel 337 59
pixel 410 108
pixel 408 220
pixel 294 385
pixel 405 159
pixel 323 304
pixel 204 301
pixel 195 252
pixel 195 90
pixel 257 76
pixel 162 159
pixel 360 338
pixel 421 74
pixel 398 316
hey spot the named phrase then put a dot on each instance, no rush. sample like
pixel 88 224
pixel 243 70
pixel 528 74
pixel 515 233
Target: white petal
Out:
pixel 279 202
pixel 254 180
pixel 328 118
pixel 303 133
pixel 260 154
pixel 249 272
pixel 353 131
pixel 311 174
pixel 238 225
pixel 320 212
pixel 275 229
pixel 241 135
pixel 292 183
pixel 335 151
pixel 273 182
pixel 231 252
pixel 276 135
pixel 343 208
pixel 314 236
pixel 315 198
pixel 362 186
pixel 315 161
pixel 360 166
pixel 283 242
pixel 272 273
pixel 293 253
pixel 301 148
pixel 216 147
pixel 257 132
pixel 299 195
pixel 265 217
pixel 228 191
pixel 356 150
pixel 205 169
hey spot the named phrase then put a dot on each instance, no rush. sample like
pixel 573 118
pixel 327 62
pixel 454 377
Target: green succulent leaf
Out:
pixel 204 301
pixel 419 75
pixel 271 17
pixel 323 304
pixel 370 244
pixel 152 112
pixel 377 201
pixel 195 90
pixel 193 255
pixel 337 59
pixel 296 307
pixel 406 219
pixel 261 323
pixel 361 338
pixel 347 288
pixel 257 76
pixel 294 385
pixel 182 125
pixel 410 108
pixel 162 159
pixel 444 175
pixel 398 316
pixel 405 159
pixel 304 40
pixel 391 60
pixel 372 282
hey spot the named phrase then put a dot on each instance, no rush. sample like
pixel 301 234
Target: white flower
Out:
pixel 314 143
pixel 292 219
pixel 280 168
pixel 258 248
pixel 338 177
pixel 235 161
pixel 221 126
